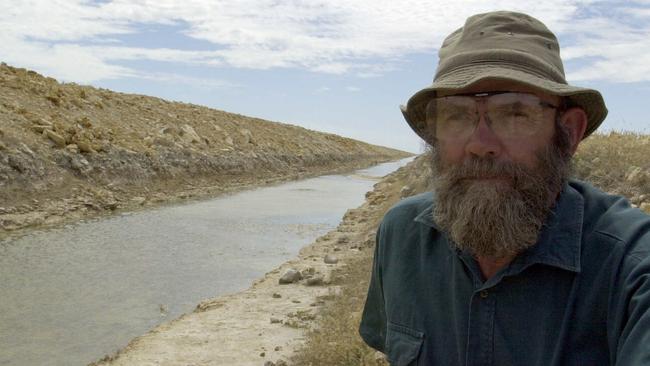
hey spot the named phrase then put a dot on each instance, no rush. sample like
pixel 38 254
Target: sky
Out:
pixel 339 66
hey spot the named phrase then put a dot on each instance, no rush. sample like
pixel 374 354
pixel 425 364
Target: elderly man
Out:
pixel 508 262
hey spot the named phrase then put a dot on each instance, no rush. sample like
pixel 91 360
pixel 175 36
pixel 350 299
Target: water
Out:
pixel 68 296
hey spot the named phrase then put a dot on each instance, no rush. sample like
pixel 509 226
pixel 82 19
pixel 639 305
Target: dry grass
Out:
pixel 336 340
pixel 616 162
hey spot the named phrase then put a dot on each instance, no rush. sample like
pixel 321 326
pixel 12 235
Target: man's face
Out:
pixel 484 142
pixel 493 193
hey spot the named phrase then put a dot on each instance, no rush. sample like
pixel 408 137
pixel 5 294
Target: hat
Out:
pixel 504 46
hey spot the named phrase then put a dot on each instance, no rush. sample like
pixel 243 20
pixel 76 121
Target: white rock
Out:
pixel 189 135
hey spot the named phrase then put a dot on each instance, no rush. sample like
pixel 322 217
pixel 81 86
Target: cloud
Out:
pixel 77 40
pixel 322 89
pixel 352 89
pixel 203 83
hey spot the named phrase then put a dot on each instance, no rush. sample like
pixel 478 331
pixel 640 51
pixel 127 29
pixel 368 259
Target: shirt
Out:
pixel 579 296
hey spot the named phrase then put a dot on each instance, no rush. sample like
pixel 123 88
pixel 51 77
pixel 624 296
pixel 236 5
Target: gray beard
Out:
pixel 497 219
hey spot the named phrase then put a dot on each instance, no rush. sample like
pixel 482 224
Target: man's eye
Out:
pixel 520 114
pixel 455 116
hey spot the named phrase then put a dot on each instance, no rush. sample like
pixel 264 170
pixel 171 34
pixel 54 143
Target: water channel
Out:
pixel 70 295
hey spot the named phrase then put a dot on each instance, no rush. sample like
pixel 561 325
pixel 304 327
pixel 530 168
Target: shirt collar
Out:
pixel 559 242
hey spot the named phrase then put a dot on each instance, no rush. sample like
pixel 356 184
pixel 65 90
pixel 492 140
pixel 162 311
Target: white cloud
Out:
pixel 352 89
pixel 322 89
pixel 76 41
pixel 204 83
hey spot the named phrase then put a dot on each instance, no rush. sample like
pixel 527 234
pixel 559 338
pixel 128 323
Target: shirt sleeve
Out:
pixel 373 320
pixel 633 346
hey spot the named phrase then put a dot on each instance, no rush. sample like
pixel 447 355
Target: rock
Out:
pixel 248 136
pixel 645 207
pixel 24 148
pixel 41 128
pixel 290 276
pixel 380 357
pixel 168 131
pixel 277 348
pixel 405 191
pixel 307 272
pixel 42 122
pixel 280 363
pixel 229 141
pixel 85 122
pixel 85 146
pixel 73 148
pixel 317 280
pixel 162 141
pixel 55 137
pixel 331 259
pixel 269 363
pixel 275 320
pixel 276 295
pixel 138 200
pixel 188 134
pixel 80 164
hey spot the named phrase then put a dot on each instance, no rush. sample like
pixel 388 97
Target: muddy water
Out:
pixel 69 296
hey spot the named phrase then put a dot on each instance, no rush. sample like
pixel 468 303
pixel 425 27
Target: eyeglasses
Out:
pixel 510 115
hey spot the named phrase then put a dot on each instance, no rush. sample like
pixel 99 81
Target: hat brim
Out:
pixel 590 100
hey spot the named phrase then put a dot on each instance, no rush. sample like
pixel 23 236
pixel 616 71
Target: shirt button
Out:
pixel 483 294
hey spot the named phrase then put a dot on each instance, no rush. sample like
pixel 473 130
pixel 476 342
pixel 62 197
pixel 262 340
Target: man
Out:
pixel 508 262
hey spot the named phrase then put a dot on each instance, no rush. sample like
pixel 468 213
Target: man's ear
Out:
pixel 574 121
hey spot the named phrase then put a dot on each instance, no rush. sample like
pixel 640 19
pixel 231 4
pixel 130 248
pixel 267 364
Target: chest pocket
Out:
pixel 403 345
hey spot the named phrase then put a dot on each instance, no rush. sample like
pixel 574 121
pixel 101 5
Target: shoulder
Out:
pixel 409 208
pixel 611 218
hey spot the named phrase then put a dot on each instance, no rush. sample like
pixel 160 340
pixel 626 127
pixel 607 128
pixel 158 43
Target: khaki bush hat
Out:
pixel 504 46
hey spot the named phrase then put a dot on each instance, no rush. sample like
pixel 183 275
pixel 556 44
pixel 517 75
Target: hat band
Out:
pixel 512 60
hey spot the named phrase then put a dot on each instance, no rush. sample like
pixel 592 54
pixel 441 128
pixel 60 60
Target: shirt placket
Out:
pixel 480 343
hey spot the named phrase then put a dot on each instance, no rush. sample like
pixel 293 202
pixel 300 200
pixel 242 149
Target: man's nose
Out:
pixel 483 142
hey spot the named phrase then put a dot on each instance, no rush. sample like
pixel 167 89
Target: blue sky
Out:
pixel 341 66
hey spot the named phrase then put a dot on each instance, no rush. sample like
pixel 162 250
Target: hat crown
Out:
pixel 503 36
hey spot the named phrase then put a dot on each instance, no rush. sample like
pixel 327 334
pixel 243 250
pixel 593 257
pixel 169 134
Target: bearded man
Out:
pixel 508 262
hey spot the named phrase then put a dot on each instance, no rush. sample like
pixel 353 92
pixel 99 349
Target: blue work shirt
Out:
pixel 580 296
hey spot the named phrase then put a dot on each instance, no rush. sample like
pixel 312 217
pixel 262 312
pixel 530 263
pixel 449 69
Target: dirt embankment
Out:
pixel 69 151
pixel 267 324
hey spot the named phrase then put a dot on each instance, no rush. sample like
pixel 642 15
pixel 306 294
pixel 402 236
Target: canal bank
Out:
pixel 268 321
pixel 144 275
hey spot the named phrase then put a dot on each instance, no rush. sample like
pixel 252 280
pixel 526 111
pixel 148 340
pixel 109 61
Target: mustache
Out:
pixel 485 168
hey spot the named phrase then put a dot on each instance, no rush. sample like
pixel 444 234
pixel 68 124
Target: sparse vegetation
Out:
pixel 619 163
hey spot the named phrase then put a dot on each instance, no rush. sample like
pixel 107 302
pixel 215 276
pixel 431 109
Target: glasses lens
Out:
pixel 451 117
pixel 515 115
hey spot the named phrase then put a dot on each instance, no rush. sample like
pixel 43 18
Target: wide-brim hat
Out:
pixel 502 46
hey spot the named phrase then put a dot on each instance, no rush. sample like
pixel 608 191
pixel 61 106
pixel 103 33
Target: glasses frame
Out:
pixel 483 95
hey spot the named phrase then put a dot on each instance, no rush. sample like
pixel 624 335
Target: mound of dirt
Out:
pixel 69 151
